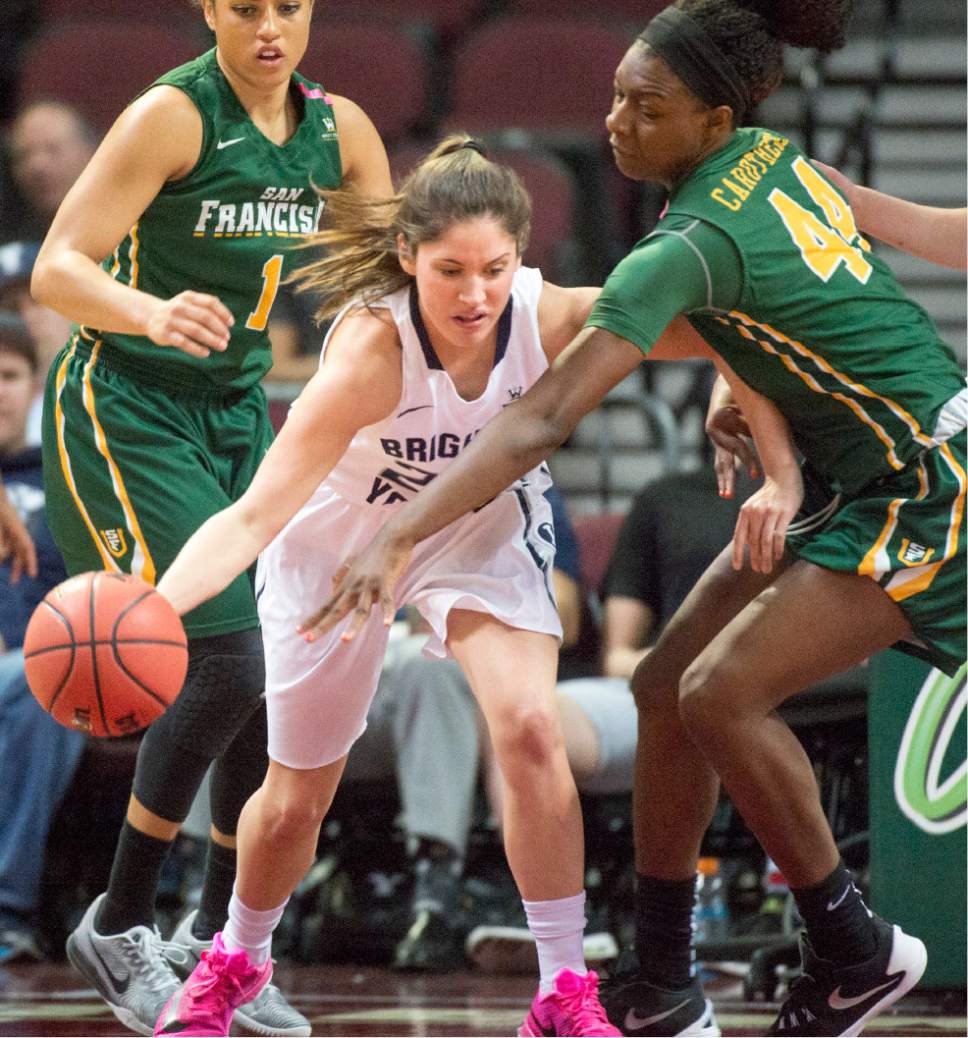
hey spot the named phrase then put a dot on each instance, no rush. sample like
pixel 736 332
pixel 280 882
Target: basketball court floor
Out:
pixel 51 1000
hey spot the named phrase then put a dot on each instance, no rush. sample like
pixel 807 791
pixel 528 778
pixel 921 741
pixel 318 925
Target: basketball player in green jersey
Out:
pixel 168 253
pixel 762 255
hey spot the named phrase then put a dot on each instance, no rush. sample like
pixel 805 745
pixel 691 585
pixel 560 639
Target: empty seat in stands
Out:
pixel 100 66
pixel 156 10
pixel 636 12
pixel 546 75
pixel 597 534
pixel 380 66
pixel 444 17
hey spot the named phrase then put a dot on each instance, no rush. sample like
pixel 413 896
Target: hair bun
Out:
pixel 821 24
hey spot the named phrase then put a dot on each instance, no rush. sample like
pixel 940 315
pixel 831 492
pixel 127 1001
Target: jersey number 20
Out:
pixel 823 246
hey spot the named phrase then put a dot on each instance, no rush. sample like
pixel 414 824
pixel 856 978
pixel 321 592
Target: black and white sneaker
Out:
pixel 839 1000
pixel 643 1010
pixel 129 969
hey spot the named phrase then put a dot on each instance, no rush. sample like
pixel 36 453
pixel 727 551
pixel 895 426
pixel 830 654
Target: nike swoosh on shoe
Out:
pixel 839 1003
pixel 831 905
pixel 634 1022
pixel 120 983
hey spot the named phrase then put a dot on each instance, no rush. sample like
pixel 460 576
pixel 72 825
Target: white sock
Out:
pixel 251 930
pixel 558 928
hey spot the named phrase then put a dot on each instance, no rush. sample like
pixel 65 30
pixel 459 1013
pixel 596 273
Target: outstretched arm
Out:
pixel 510 445
pixel 359 384
pixel 936 234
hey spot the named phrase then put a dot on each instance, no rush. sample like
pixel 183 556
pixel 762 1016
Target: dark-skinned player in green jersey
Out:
pixel 168 253
pixel 761 253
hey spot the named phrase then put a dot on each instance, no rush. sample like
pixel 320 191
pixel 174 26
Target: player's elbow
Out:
pixel 544 428
pixel 43 278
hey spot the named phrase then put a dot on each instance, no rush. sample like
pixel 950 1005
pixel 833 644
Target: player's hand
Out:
pixel 359 584
pixel 15 542
pixel 763 521
pixel 192 322
pixel 733 446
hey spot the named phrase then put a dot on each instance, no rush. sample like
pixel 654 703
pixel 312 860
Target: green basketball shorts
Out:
pixel 907 532
pixel 131 470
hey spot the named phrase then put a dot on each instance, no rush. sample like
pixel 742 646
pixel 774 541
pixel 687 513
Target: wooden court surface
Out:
pixel 51 1000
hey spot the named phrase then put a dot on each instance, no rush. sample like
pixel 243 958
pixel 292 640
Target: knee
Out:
pixel 655 687
pixel 527 738
pixel 707 696
pixel 288 818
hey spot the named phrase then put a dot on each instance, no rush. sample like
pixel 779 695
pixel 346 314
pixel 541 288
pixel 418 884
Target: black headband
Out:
pixel 475 146
pixel 694 57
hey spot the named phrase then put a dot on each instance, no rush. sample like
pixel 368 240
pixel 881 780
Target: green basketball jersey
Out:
pixel 820 325
pixel 226 229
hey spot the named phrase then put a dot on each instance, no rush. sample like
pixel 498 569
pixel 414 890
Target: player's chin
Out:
pixel 629 165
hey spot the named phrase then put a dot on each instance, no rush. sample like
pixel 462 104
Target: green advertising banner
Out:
pixel 918 808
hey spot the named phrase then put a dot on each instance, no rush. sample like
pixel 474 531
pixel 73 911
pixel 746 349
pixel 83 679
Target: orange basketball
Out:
pixel 105 654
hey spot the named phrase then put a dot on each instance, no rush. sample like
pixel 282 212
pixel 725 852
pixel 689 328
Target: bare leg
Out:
pixel 512 673
pixel 676 788
pixel 810 624
pixel 278 831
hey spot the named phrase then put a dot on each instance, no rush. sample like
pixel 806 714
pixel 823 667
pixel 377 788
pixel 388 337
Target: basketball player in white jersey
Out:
pixel 438 327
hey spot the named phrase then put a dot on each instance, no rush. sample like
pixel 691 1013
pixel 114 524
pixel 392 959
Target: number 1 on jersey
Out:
pixel 271 275
pixel 823 246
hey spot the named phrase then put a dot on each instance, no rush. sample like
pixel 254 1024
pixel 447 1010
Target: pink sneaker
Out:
pixel 571 1009
pixel 220 983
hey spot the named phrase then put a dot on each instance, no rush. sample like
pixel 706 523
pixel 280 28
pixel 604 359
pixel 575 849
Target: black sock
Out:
pixel 837 921
pixel 663 930
pixel 213 909
pixel 130 898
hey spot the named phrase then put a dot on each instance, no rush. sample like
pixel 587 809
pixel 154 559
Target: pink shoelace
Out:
pixel 217 980
pixel 583 1007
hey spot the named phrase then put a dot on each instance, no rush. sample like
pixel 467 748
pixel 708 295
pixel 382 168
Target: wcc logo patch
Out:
pixel 913 554
pixel 114 541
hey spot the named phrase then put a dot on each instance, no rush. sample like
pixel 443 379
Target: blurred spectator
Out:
pixel 38 757
pixel 48 145
pixel 48 329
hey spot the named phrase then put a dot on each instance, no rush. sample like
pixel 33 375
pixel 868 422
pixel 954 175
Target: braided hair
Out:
pixel 753 33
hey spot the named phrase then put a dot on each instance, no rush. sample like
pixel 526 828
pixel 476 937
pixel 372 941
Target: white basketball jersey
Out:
pixel 389 462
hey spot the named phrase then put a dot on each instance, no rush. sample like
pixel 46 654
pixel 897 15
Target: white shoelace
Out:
pixel 145 953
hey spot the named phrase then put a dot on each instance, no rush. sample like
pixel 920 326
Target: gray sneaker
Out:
pixel 129 969
pixel 268 1013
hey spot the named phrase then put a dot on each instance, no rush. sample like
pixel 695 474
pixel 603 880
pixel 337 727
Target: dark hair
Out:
pixel 455 182
pixel 751 33
pixel 15 338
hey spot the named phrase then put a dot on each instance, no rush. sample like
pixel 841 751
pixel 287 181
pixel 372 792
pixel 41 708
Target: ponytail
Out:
pixel 455 182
